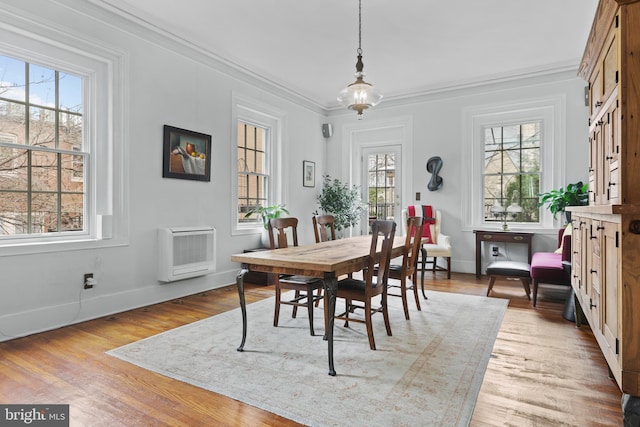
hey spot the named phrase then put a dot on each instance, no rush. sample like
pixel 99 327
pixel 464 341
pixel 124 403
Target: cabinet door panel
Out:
pixel 610 257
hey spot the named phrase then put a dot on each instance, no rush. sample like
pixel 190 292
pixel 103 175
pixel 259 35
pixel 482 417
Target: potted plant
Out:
pixel 341 201
pixel 266 213
pixel 572 195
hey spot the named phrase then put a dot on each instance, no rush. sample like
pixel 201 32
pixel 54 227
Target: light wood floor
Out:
pixel 543 372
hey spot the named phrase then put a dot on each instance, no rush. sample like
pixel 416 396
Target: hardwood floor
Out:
pixel 543 372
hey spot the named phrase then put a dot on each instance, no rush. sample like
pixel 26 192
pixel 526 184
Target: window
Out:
pixel 63 167
pixel 512 172
pixel 253 174
pixel 257 134
pixel 511 153
pixel 41 157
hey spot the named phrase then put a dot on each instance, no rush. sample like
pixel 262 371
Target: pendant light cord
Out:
pixel 359 27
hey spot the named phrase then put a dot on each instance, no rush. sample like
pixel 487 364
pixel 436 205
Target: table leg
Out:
pixel 478 256
pixel 330 291
pixel 243 305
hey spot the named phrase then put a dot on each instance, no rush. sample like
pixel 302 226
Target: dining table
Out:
pixel 326 260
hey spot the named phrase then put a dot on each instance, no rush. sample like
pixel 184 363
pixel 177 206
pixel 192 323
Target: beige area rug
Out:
pixel 427 374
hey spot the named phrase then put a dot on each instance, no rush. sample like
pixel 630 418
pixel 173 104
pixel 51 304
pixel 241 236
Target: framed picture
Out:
pixel 308 173
pixel 186 154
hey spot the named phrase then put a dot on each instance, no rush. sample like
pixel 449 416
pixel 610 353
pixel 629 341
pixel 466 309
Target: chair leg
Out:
pixel 295 307
pixel 403 295
pixel 310 308
pixel 423 253
pixel 535 291
pixel 415 295
pixel 525 285
pixel 385 314
pixel 492 280
pixel 435 263
pixel 276 314
pixel 319 294
pixel 367 321
pixel 448 267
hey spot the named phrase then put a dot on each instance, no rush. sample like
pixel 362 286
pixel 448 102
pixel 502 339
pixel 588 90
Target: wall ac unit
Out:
pixel 185 252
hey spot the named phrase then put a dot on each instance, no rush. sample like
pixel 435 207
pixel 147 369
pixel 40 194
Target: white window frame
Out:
pixel 253 112
pixel 551 113
pixel 104 111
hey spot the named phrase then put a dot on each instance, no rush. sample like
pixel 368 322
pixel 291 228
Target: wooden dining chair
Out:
pixel 363 291
pixel 324 227
pixel 304 286
pixel 406 272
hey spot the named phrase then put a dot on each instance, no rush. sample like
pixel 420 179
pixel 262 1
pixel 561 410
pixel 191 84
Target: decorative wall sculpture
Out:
pixel 434 165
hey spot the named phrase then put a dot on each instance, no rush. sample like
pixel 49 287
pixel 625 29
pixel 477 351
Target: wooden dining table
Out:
pixel 326 260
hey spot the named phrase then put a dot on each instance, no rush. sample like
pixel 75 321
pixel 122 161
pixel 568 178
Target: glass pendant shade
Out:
pixel 359 95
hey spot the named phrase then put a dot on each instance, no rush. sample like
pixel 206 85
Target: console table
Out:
pixel 502 237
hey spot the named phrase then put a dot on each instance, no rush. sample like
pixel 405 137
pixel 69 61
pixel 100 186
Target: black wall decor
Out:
pixel 434 165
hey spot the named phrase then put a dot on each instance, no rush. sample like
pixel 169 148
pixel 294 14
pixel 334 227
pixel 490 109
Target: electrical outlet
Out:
pixel 89 281
pixel 495 251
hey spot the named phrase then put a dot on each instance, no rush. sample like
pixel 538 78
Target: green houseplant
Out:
pixel 572 195
pixel 267 212
pixel 341 201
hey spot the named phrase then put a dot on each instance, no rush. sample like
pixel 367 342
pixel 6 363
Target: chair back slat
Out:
pixel 323 225
pixel 385 229
pixel 412 243
pixel 281 225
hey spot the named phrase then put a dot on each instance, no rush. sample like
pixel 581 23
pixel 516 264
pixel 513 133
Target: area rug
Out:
pixel 428 373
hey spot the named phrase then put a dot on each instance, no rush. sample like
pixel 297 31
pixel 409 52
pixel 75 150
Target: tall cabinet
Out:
pixel 606 238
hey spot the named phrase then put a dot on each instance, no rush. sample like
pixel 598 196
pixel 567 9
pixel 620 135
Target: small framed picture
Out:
pixel 308 173
pixel 186 154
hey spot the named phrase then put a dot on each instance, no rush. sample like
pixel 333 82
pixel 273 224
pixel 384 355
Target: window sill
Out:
pixel 29 248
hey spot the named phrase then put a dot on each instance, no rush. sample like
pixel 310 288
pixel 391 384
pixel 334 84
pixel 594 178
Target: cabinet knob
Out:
pixel 591 304
pixel 598 103
pixel 593 271
pixel 609 158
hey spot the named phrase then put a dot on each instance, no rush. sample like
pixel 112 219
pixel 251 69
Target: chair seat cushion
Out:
pixel 437 250
pixel 546 267
pixel 351 284
pixel 508 268
pixel 301 280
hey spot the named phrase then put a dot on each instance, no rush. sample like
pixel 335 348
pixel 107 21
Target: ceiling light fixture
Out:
pixel 359 95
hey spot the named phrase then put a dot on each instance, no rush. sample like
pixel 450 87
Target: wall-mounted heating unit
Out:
pixel 185 252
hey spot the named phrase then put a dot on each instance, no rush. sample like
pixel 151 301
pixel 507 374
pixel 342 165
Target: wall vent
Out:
pixel 185 252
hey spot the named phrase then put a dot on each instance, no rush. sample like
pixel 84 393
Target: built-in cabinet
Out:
pixel 606 237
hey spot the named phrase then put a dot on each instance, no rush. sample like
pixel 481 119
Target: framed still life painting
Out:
pixel 186 154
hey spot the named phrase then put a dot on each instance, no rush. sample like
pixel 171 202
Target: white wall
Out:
pixel 438 130
pixel 167 84
pixel 171 84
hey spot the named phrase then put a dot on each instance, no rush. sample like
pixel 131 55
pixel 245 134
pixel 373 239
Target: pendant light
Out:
pixel 359 95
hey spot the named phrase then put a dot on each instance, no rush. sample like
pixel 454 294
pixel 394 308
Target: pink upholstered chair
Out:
pixel 552 267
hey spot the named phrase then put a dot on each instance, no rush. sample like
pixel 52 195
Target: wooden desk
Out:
pixel 502 237
pixel 327 260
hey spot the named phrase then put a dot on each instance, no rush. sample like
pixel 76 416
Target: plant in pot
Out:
pixel 576 194
pixel 266 213
pixel 341 201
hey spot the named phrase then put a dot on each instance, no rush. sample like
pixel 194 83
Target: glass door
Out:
pixel 381 182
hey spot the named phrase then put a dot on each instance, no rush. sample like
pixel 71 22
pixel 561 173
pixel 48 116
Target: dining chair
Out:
pixel 406 272
pixel 303 286
pixel 324 227
pixel 363 291
pixel 438 245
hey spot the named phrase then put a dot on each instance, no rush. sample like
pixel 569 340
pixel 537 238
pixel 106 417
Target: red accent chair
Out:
pixel 552 267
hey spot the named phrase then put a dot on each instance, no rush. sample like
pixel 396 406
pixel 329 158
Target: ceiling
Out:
pixel 409 46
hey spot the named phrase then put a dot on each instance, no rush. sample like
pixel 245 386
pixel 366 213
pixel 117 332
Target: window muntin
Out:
pixel 43 189
pixel 511 175
pixel 253 172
